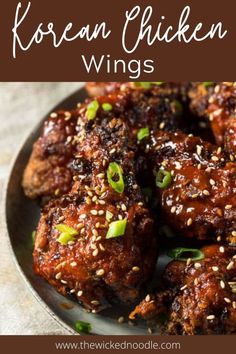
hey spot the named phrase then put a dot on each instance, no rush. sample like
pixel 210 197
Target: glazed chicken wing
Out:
pixel 199 297
pixel 195 185
pixel 98 242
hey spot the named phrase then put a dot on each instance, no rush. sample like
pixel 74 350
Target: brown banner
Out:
pixel 117 344
pixel 128 40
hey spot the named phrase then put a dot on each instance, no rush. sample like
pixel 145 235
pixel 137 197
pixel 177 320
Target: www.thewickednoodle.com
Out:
pixel 115 345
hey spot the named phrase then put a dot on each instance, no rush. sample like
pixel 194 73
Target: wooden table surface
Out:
pixel 22 105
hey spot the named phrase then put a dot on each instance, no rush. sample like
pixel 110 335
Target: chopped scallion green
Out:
pixel 33 237
pixel 143 133
pixel 83 327
pixel 183 254
pixel 107 107
pixel 92 109
pixel 116 228
pixel 115 177
pixel 67 233
pixel 208 83
pixel 163 179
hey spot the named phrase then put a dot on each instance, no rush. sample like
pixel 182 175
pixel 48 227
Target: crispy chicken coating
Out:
pixel 48 171
pixel 97 269
pixel 199 297
pixel 199 199
pixel 199 94
pixel 50 168
pixel 222 114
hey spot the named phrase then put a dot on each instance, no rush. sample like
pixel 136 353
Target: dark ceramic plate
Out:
pixel 22 215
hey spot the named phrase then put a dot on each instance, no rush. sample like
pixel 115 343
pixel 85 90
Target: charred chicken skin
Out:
pixel 98 265
pixel 50 169
pixel 200 297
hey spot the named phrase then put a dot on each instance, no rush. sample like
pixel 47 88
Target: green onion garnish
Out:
pixel 116 228
pixel 67 233
pixel 147 85
pixel 115 177
pixel 109 216
pixel 92 110
pixel 107 107
pixel 208 83
pixel 143 133
pixel 84 327
pixel 177 107
pixel 183 254
pixel 163 179
pixel 33 237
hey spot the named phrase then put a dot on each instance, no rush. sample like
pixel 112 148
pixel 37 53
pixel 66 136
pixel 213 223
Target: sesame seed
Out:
pixel 72 291
pixel 95 198
pixel 80 293
pixel 61 218
pixel 228 206
pixel 222 284
pixel 100 272
pixel 82 230
pixel 218 238
pixel 189 260
pixel 135 269
pixel 53 115
pixel 215 268
pixel 233 290
pixel 189 222
pixel 63 281
pixel 221 249
pixel 194 196
pixel 173 209
pixel 206 192
pixel 149 330
pixel 230 265
pixel 101 247
pixel 148 298
pixel 94 212
pixel 95 252
pixel 227 300
pixel 210 317
pixel 219 150
pixel 58 275
pixel 94 232
pixel 82 216
pixel 123 207
pixel 199 150
pixel 90 193
pixel 100 212
pixel 233 233
pixel 121 319
pixel 215 158
pixel 162 125
pixel 101 202
pixel 231 157
pixel 95 302
pixel 199 166
pixel 73 264
pixel 101 175
pixel 234 304
pixel 197 265
pixel 183 287
pixel 212 182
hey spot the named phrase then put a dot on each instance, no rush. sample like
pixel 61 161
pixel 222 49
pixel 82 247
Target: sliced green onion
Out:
pixel 143 133
pixel 107 107
pixel 183 254
pixel 147 85
pixel 92 110
pixel 67 233
pixel 33 237
pixel 109 216
pixel 84 327
pixel 177 106
pixel 115 177
pixel 116 228
pixel 208 83
pixel 163 179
